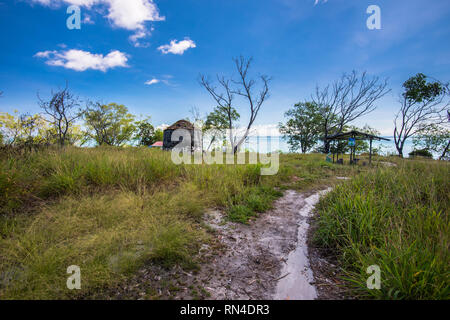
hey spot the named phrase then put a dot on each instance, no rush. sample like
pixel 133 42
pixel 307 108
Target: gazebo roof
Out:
pixel 358 135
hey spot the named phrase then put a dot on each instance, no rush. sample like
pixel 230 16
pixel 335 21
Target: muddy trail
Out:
pixel 266 259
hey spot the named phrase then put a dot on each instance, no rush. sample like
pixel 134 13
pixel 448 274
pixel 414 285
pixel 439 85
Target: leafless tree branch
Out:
pixel 61 110
pixel 243 87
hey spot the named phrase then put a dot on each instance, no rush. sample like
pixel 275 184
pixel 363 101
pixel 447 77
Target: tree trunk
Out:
pixel 445 151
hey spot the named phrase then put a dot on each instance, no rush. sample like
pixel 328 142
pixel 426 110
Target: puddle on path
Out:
pixel 297 277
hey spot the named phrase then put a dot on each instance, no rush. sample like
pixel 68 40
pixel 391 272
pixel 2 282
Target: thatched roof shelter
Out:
pixel 180 124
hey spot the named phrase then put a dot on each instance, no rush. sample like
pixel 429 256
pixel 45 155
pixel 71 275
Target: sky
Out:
pixel 148 55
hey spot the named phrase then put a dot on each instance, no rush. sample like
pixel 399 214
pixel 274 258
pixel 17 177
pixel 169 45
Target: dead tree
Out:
pixel 422 105
pixel 347 99
pixel 63 112
pixel 244 87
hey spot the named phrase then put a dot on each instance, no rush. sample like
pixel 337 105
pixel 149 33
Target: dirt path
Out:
pixel 266 259
pixel 299 279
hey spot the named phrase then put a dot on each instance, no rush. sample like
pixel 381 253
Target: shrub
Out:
pixel 422 153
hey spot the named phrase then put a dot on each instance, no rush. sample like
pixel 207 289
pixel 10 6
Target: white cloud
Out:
pixel 139 35
pixel 156 80
pixel 162 126
pixel 80 60
pixel 54 3
pixel 317 2
pixel 87 19
pixel 177 47
pixel 131 15
pixel 153 81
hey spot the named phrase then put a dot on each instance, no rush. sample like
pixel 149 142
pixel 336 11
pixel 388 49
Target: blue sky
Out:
pixel 123 45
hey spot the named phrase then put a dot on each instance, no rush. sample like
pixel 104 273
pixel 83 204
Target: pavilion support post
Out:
pixel 353 149
pixel 370 152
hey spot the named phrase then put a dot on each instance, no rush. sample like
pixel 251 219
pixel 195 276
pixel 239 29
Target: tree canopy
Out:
pixel 109 124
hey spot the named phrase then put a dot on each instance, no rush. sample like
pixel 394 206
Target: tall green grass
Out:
pixel 109 211
pixel 396 218
pixel 112 210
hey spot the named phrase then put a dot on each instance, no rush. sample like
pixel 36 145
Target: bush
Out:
pixel 421 153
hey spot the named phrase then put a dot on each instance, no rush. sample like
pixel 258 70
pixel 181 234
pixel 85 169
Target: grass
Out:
pixel 396 218
pixel 112 211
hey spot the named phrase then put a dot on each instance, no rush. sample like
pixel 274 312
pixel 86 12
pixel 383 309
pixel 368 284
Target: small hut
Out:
pixel 168 144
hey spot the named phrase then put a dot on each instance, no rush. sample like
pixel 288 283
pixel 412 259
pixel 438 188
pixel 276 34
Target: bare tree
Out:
pixel 347 99
pixel 62 109
pixel 422 105
pixel 199 124
pixel 243 87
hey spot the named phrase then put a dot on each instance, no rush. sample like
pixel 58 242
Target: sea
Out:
pixel 266 144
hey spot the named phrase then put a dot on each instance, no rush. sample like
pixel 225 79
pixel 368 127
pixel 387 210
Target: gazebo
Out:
pixel 352 137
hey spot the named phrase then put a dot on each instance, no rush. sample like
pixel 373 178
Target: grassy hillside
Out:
pixel 111 210
pixel 396 218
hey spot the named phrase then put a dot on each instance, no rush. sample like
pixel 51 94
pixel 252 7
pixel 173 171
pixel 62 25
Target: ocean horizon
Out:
pixel 267 144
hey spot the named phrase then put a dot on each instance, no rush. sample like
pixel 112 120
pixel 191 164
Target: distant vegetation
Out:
pixel 64 122
pixel 423 114
pixel 421 153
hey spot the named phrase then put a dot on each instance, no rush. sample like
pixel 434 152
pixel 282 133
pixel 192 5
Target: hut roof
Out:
pixel 157 144
pixel 355 134
pixel 181 124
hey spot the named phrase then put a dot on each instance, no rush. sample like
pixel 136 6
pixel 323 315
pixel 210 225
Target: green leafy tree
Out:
pixel 109 124
pixel 434 138
pixel 24 129
pixel 422 105
pixel 218 121
pixel 159 135
pixel 362 146
pixel 146 134
pixel 303 126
